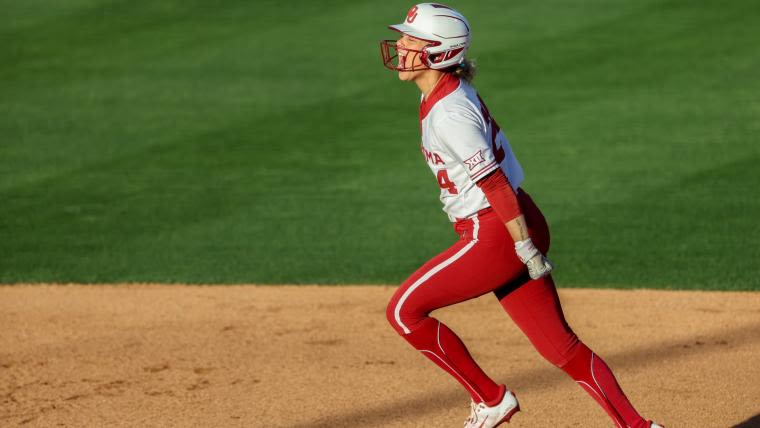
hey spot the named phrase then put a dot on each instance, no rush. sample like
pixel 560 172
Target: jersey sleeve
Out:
pixel 500 195
pixel 465 135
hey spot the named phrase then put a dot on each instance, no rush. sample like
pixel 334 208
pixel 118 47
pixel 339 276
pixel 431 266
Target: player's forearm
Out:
pixel 517 228
pixel 504 201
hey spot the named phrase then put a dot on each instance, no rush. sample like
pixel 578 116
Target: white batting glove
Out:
pixel 538 265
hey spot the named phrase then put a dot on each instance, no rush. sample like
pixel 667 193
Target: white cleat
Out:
pixel 482 416
pixel 654 425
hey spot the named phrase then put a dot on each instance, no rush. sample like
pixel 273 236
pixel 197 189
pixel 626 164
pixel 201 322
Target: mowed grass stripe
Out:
pixel 236 145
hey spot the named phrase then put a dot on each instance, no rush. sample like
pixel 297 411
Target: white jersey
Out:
pixel 462 144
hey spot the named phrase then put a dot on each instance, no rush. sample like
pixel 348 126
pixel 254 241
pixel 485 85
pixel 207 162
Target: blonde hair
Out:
pixel 466 70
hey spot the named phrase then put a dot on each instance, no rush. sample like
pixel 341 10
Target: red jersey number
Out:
pixel 498 151
pixel 446 183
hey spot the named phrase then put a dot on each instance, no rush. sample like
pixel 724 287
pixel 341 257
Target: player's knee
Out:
pixel 401 317
pixel 390 315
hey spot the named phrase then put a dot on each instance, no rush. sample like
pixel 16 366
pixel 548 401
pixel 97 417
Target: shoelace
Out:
pixel 474 410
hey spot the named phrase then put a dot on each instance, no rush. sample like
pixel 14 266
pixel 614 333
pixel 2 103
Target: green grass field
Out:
pixel 263 142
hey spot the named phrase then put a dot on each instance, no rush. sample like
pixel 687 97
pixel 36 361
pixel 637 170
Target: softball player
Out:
pixel 503 237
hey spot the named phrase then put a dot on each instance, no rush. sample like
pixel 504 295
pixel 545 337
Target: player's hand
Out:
pixel 538 265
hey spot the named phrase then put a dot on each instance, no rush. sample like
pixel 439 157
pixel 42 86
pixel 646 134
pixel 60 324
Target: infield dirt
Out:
pixel 318 356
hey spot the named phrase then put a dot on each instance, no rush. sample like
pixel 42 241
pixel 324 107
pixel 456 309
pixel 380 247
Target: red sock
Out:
pixel 443 347
pixel 593 374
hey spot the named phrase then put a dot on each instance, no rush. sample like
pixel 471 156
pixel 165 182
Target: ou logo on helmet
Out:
pixel 411 15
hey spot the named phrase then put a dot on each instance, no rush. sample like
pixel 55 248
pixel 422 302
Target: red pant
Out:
pixel 483 260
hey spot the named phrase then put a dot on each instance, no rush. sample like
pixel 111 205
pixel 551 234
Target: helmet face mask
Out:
pixel 396 58
pixel 446 31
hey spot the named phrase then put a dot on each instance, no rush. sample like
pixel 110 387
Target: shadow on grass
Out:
pixel 753 422
pixel 652 354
